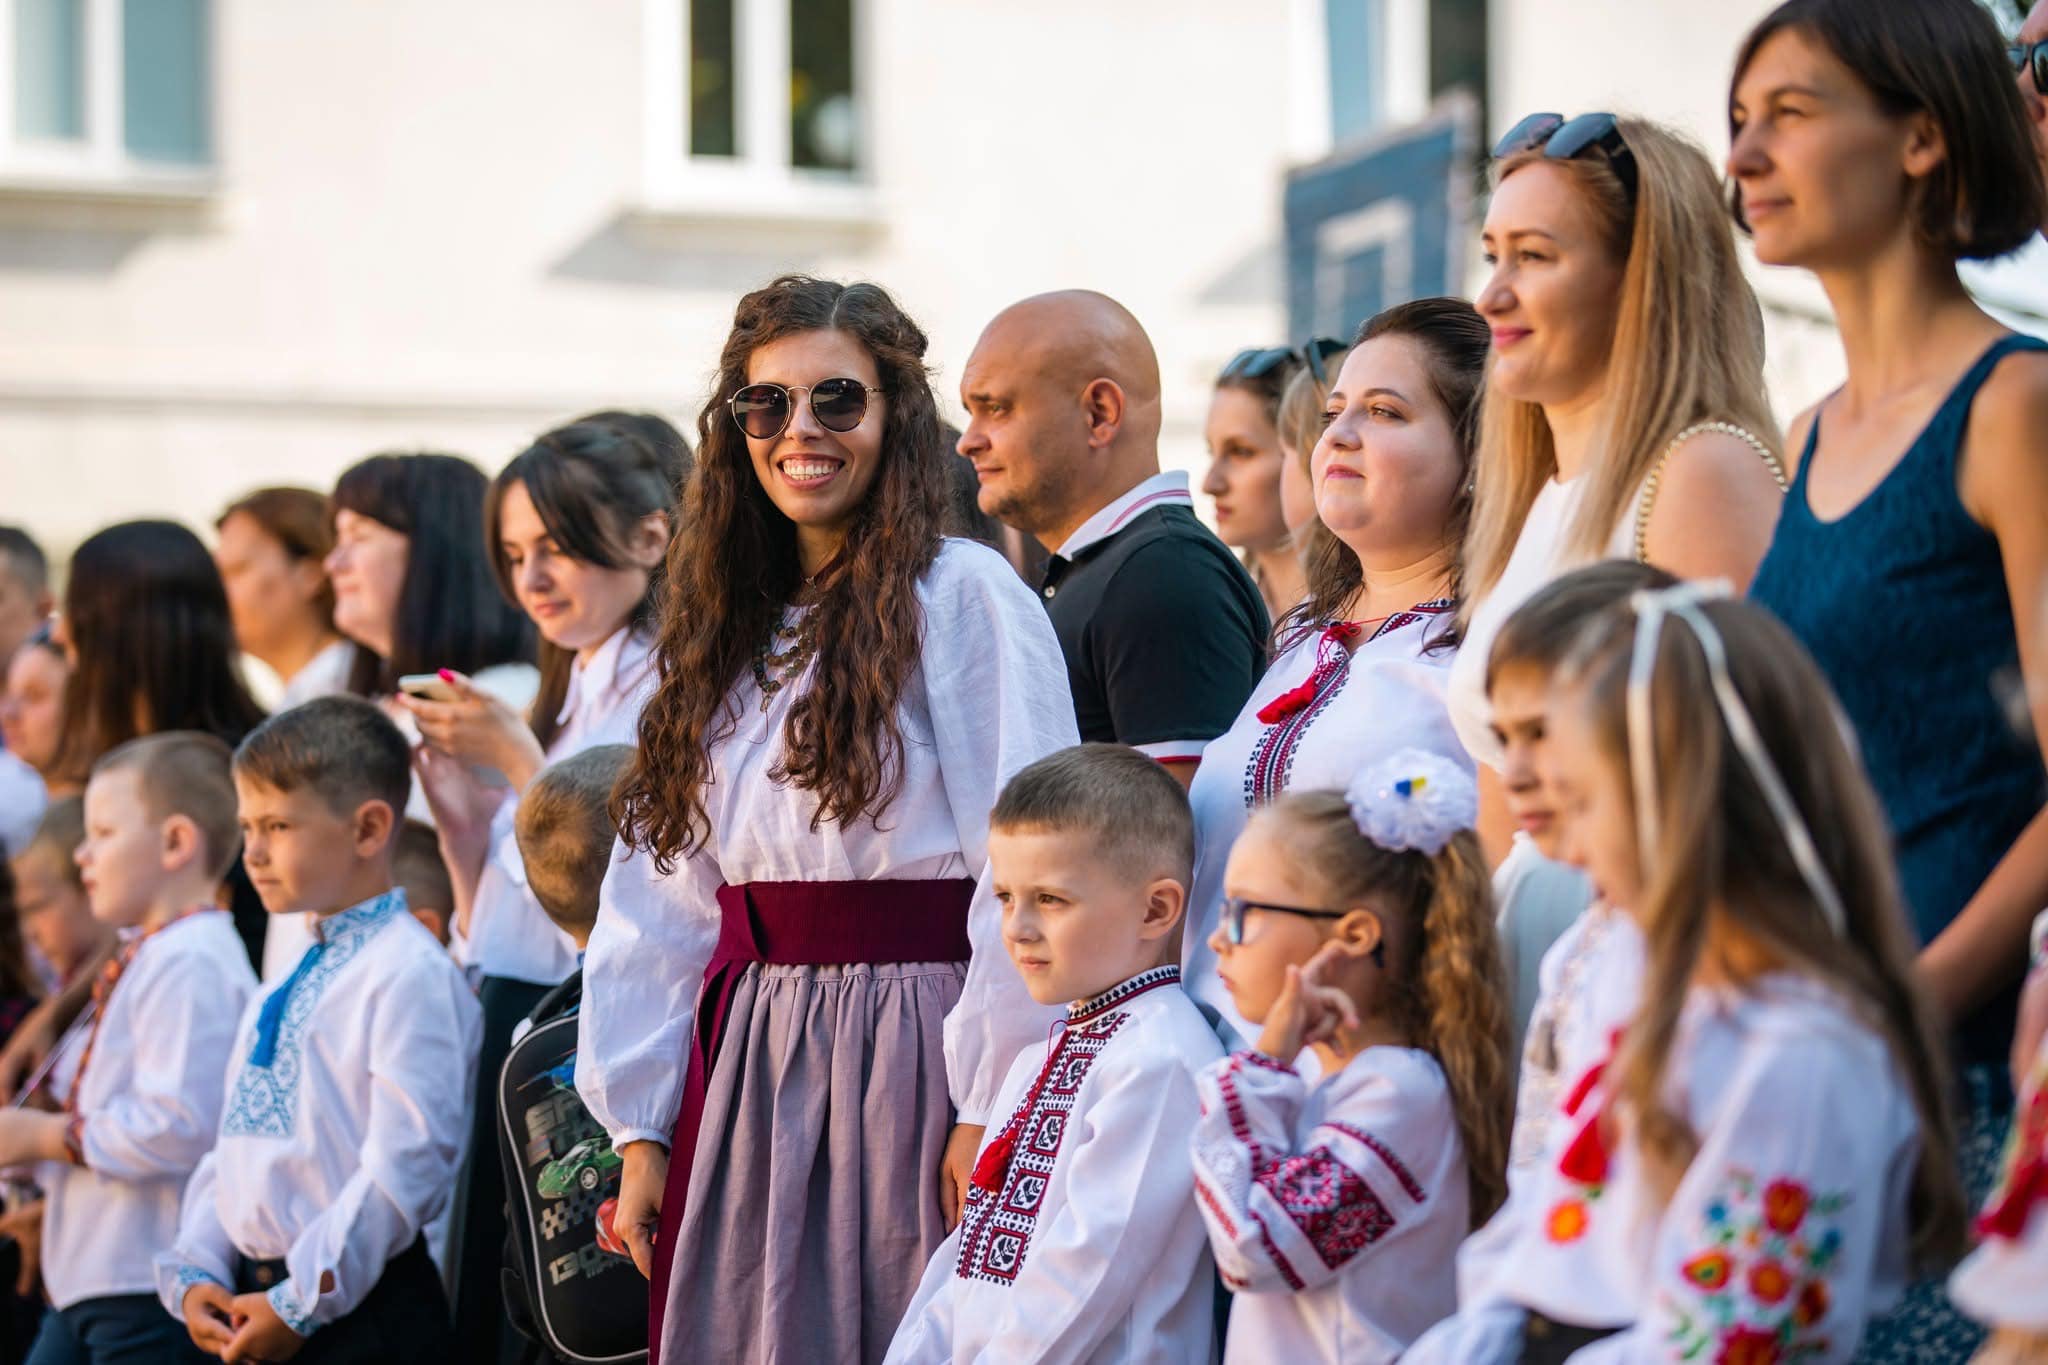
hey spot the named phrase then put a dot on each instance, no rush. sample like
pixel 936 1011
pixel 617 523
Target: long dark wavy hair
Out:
pixel 733 568
pixel 591 482
pixel 449 612
pixel 148 620
pixel 1455 340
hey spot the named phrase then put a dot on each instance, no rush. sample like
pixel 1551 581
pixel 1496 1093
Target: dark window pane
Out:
pixel 164 79
pixel 1457 49
pixel 49 70
pixel 824 122
pixel 713 128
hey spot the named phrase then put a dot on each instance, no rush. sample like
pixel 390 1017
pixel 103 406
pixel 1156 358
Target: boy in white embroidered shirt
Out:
pixel 348 1094
pixel 1079 1240
pixel 146 1091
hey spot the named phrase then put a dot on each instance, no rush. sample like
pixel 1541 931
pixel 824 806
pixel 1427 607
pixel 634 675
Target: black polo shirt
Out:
pixel 1163 630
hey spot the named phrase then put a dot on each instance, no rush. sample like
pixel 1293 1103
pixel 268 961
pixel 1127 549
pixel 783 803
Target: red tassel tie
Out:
pixel 2006 1217
pixel 1327 659
pixel 1586 1158
pixel 994 1162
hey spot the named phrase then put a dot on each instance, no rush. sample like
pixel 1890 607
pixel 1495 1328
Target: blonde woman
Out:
pixel 1300 424
pixel 1625 412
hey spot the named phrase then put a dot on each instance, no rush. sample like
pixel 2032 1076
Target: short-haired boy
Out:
pixel 578 1293
pixel 1079 1238
pixel 145 1093
pixel 418 868
pixel 348 1093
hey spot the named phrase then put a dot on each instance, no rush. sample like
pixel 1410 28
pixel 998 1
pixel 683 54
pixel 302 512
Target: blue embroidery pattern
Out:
pixel 288 1310
pixel 265 1098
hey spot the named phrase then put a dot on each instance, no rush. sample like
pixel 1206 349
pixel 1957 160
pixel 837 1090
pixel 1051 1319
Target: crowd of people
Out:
pixel 1560 873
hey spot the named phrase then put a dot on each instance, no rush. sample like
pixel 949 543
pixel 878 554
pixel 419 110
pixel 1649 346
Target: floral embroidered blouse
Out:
pixel 1783 1237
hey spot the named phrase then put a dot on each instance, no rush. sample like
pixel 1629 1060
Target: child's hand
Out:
pixel 209 1317
pixel 1307 1011
pixel 260 1334
pixel 478 728
pixel 638 1214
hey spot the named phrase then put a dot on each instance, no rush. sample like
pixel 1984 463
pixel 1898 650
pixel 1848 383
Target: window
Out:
pixel 758 97
pixel 106 89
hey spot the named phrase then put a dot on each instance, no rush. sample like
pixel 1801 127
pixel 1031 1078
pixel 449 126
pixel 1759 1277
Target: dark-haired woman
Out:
pixel 797 981
pixel 577 525
pixel 1876 143
pixel 1245 469
pixel 1364 665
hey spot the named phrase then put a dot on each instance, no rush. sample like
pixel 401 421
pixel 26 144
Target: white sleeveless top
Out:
pixel 1539 556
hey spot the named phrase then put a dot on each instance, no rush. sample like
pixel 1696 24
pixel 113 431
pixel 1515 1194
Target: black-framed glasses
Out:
pixel 763 411
pixel 2032 59
pixel 1256 362
pixel 1235 908
pixel 1563 139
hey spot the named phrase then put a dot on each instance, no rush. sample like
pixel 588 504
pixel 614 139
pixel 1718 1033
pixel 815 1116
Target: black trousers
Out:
pixel 482 1329
pixel 404 1321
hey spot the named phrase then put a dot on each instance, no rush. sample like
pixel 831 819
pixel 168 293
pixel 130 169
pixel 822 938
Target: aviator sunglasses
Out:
pixel 1256 362
pixel 763 411
pixel 1563 139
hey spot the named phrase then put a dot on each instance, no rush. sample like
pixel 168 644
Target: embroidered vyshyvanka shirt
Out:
pixel 146 1106
pixel 988 696
pixel 1333 1211
pixel 347 1108
pixel 1785 1235
pixel 1332 704
pixel 2004 1282
pixel 1083 1245
pixel 509 934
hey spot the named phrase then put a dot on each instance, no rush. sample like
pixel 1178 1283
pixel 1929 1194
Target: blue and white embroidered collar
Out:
pixel 1123 993
pixel 361 918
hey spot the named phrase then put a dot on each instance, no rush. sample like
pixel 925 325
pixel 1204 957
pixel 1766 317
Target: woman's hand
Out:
pixel 478 728
pixel 1308 1011
pixel 638 1214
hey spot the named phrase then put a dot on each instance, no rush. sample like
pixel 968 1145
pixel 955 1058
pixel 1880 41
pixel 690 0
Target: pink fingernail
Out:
pixel 448 675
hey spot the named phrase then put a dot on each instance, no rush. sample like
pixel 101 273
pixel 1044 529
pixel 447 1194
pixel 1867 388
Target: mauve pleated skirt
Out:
pixel 813 1200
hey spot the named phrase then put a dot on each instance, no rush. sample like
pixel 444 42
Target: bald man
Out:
pixel 1163 630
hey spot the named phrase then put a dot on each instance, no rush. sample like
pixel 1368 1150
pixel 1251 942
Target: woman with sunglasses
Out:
pixel 1876 143
pixel 1364 659
pixel 1245 466
pixel 797 1006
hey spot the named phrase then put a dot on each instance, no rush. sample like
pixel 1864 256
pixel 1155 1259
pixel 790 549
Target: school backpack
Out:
pixel 570 1284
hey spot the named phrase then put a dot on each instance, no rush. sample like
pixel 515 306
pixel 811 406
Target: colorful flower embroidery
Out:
pixel 1759 1285
pixel 1567 1222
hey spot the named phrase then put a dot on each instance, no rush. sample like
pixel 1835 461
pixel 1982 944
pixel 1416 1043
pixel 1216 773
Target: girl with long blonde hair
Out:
pixel 1625 414
pixel 1765 1154
pixel 1359 926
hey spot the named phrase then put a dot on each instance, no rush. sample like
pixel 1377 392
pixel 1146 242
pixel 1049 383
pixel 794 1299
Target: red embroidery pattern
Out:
pixel 1241 1129
pixel 1759 1284
pixel 2024 1182
pixel 1289 716
pixel 1014 1172
pixel 1335 1209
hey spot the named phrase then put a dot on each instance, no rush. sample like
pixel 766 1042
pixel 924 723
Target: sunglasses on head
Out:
pixel 763 411
pixel 1256 362
pixel 2031 59
pixel 1563 139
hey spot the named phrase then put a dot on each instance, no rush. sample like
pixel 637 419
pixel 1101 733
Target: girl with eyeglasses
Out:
pixel 1358 927
pixel 797 1006
pixel 1876 143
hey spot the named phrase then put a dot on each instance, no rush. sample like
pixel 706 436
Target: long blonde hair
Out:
pixel 1450 985
pixel 1723 861
pixel 1688 347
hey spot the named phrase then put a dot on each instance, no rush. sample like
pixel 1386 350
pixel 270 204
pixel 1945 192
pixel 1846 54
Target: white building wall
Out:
pixel 436 228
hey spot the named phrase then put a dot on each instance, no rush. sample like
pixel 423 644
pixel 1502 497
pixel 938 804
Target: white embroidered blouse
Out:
pixel 343 1142
pixel 1347 701
pixel 148 1105
pixel 1333 1211
pixel 1087 1249
pixel 2004 1282
pixel 989 695
pixel 1784 1236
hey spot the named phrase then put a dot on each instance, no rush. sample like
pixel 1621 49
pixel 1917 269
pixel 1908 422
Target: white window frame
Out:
pixel 759 180
pixel 100 160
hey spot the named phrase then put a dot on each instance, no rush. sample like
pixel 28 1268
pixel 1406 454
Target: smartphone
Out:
pixel 428 685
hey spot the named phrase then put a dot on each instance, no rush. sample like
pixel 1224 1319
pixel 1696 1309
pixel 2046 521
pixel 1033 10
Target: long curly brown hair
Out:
pixel 733 569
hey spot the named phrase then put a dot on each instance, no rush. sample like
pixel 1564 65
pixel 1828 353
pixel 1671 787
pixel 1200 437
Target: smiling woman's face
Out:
pixel 815 477
pixel 1388 468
